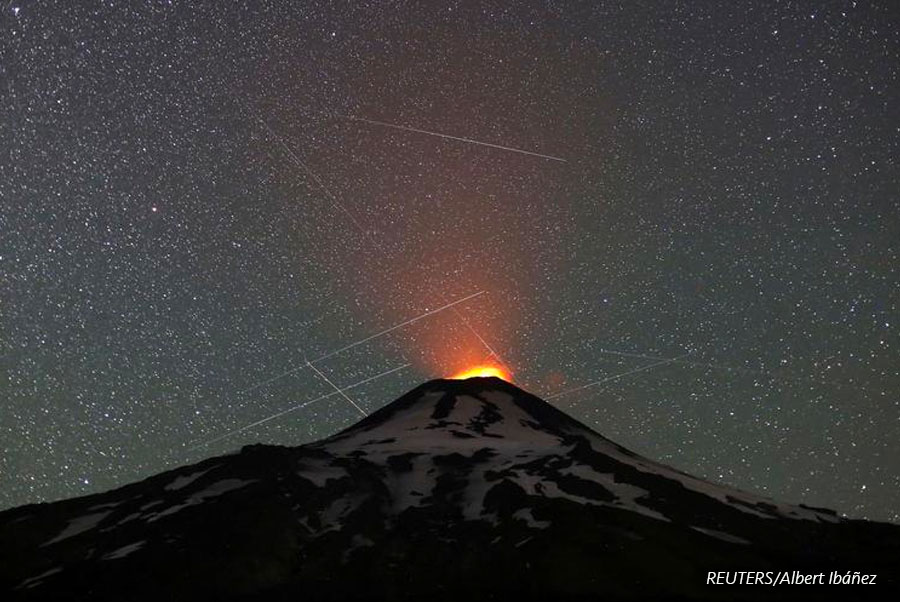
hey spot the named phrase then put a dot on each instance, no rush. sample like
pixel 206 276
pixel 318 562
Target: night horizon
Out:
pixel 676 222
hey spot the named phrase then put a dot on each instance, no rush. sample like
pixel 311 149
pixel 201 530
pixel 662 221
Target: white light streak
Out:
pixel 374 242
pixel 360 342
pixel 678 361
pixel 400 325
pixel 335 387
pixel 616 377
pixel 469 140
pixel 483 342
pixel 293 408
pixel 331 196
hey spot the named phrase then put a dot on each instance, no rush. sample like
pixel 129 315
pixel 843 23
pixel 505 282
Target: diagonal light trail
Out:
pixel 678 361
pixel 483 342
pixel 331 196
pixel 293 408
pixel 783 376
pixel 271 380
pixel 335 387
pixel 616 377
pixel 469 140
pixel 360 342
pixel 364 232
pixel 400 325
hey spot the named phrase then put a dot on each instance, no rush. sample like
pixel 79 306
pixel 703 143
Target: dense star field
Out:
pixel 196 200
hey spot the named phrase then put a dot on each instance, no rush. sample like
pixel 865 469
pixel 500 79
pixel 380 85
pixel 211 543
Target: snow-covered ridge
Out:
pixel 480 453
pixel 503 430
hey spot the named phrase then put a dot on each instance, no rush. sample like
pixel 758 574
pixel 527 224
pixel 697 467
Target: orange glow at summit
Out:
pixel 482 370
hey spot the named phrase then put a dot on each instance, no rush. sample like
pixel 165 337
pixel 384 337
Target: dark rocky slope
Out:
pixel 459 490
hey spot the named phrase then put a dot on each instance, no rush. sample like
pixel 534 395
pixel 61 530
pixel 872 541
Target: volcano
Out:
pixel 459 490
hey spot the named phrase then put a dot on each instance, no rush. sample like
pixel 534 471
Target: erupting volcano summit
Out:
pixel 461 489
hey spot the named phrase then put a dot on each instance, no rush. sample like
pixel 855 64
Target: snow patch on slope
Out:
pixel 525 514
pixel 319 473
pixel 214 490
pixel 740 500
pixel 37 579
pixel 183 481
pixel 721 535
pixel 79 525
pixel 124 550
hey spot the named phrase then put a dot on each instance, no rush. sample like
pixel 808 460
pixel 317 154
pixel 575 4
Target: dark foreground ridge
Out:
pixel 459 490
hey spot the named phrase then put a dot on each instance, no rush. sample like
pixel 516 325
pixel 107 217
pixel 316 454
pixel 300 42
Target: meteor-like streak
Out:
pixel 616 377
pixel 400 325
pixel 374 242
pixel 469 140
pixel 483 342
pixel 299 406
pixel 790 377
pixel 357 343
pixel 335 387
pixel 678 361
pixel 331 196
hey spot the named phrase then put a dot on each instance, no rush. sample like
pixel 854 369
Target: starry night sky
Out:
pixel 188 210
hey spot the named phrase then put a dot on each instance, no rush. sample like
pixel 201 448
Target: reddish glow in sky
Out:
pixel 483 370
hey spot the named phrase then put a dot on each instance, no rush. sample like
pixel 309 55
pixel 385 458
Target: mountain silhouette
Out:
pixel 459 490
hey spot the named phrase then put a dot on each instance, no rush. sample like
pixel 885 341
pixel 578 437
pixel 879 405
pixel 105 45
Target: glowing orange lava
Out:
pixel 483 370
